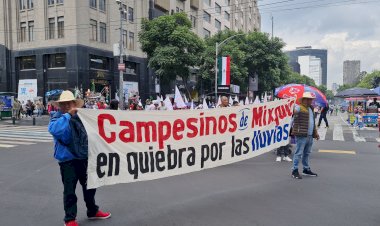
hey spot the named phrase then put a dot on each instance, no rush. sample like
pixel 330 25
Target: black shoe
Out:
pixel 296 175
pixel 308 172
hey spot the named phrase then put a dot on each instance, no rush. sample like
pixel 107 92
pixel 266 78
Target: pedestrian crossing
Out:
pixel 339 132
pixel 13 136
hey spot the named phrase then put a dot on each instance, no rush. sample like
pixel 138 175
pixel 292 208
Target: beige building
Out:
pixel 66 44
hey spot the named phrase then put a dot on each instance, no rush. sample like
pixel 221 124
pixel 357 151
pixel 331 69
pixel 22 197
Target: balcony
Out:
pixel 162 4
pixel 194 4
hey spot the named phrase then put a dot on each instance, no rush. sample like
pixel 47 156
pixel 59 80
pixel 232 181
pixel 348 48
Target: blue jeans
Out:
pixel 303 151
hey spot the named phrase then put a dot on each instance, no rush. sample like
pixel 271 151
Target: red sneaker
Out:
pixel 100 216
pixel 71 223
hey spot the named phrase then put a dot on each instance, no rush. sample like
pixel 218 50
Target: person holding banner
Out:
pixel 71 151
pixel 304 130
pixel 225 102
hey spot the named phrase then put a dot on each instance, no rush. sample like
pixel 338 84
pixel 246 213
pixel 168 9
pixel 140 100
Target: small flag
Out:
pixel 265 98
pixel 230 101
pixel 246 101
pixel 192 105
pixel 257 100
pixel 178 99
pixel 186 101
pixel 168 104
pixel 224 70
pixel 241 102
pixel 219 101
pixel 237 98
pixel 205 106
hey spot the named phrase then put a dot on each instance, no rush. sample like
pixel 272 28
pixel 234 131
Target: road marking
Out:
pixel 338 132
pixel 322 133
pixel 357 138
pixel 15 142
pixel 338 152
pixel 7 146
pixel 37 137
pixel 42 134
pixel 24 139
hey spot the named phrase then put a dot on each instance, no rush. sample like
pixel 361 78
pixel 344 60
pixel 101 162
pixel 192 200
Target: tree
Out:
pixel 345 86
pixel 370 81
pixel 253 53
pixel 265 57
pixel 171 46
pixel 299 79
pixel 329 95
pixel 233 49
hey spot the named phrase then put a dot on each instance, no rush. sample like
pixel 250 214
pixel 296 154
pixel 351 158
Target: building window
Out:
pixel 206 33
pixel 57 60
pixel 130 14
pixel 123 13
pixel 103 32
pixel 93 4
pixel 50 2
pixel 30 4
pixel 218 25
pixel 207 2
pixel 60 1
pixel 23 4
pixel 226 15
pixel 177 9
pixel 22 32
pixel 61 27
pixel 27 62
pixel 31 31
pixel 102 5
pixel 94 30
pixel 131 41
pixel 51 28
pixel 206 16
pixel 218 8
pixel 193 21
pixel 125 35
pixel 99 62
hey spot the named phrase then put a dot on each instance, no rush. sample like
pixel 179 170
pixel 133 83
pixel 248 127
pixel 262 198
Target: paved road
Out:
pixel 258 191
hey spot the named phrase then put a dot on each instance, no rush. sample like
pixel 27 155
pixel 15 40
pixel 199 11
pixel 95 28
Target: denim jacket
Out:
pixel 70 137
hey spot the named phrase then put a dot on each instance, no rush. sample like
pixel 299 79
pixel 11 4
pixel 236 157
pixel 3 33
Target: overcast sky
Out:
pixel 348 32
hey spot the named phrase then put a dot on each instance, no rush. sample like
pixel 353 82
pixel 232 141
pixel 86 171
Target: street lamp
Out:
pixel 217 45
pixel 121 73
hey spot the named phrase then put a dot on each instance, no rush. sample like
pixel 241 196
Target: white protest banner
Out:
pixel 130 146
pixel 27 90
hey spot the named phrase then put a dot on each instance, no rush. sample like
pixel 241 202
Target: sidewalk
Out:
pixel 40 121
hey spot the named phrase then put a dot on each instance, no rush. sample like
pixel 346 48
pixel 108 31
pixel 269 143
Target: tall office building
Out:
pixel 308 51
pixel 351 72
pixel 311 66
pixel 66 44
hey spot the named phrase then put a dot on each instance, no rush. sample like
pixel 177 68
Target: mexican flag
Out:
pixel 224 70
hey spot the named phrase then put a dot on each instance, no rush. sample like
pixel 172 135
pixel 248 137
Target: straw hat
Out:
pixel 67 96
pixel 308 95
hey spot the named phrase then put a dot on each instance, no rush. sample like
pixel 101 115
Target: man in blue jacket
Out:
pixel 71 151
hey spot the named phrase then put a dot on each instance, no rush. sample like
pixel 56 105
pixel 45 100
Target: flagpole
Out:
pixel 217 45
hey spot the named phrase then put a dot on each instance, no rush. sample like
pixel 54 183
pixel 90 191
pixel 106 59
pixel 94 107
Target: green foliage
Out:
pixel 300 79
pixel 171 46
pixel 370 81
pixel 252 53
pixel 346 86
pixel 329 95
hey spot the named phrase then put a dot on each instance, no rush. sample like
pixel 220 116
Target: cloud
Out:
pixel 349 32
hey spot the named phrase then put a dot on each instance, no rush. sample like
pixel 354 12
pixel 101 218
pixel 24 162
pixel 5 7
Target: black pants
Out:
pixel 284 151
pixel 324 117
pixel 71 172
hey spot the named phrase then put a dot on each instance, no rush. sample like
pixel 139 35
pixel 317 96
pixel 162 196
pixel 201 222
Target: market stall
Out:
pixel 359 100
pixel 6 103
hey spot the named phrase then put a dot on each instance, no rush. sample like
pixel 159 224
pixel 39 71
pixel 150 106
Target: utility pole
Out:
pixel 121 72
pixel 217 46
pixel 272 24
